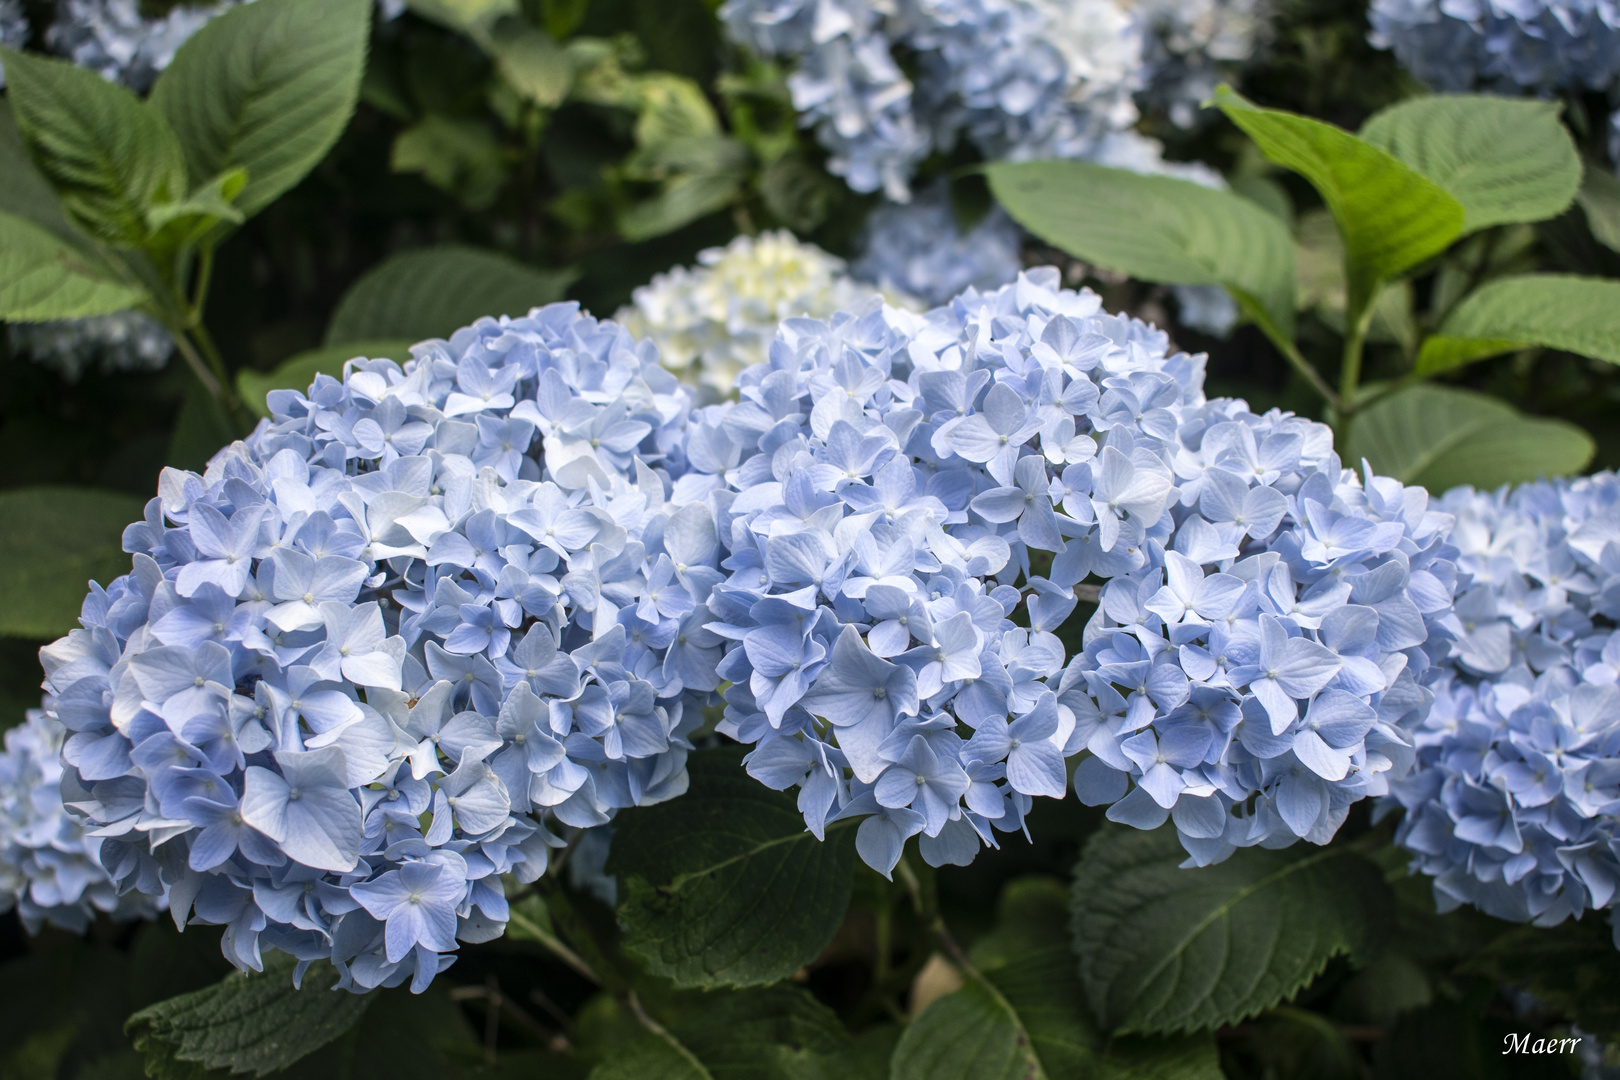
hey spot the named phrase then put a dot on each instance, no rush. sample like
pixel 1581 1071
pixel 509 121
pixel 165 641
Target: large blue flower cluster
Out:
pixel 48 866
pixel 888 494
pixel 1505 45
pixel 1515 803
pixel 918 249
pixel 1019 78
pixel 375 650
pixel 1263 670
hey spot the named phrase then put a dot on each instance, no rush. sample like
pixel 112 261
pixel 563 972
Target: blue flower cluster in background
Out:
pixel 375 650
pixel 1509 46
pixel 880 496
pixel 123 341
pixel 1019 79
pixel 48 860
pixel 117 42
pixel 1514 806
pixel 918 249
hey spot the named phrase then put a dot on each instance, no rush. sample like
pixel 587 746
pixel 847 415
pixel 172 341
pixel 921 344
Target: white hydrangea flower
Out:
pixel 122 341
pixel 714 319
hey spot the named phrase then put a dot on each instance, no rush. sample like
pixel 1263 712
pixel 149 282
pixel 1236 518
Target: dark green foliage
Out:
pixel 53 542
pixel 433 291
pixel 1165 949
pixel 255 1024
pixel 723 886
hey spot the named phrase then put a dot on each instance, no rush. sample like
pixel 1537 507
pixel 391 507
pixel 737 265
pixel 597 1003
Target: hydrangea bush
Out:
pixel 49 866
pixel 117 41
pixel 368 659
pixel 1513 806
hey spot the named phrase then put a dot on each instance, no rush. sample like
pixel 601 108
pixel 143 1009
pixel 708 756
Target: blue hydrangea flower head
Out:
pixel 1020 79
pixel 861 527
pixel 48 866
pixel 113 39
pixel 423 618
pixel 1263 670
pixel 917 248
pixel 1506 46
pixel 1515 803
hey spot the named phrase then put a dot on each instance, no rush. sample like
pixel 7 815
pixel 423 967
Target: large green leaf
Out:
pixel 297 373
pixel 1156 228
pixel 110 157
pixel 267 87
pixel 1440 437
pixel 474 18
pixel 43 277
pixel 24 191
pixel 1555 311
pixel 1391 217
pixel 53 542
pixel 432 292
pixel 1163 949
pixel 1025 1016
pixel 1504 159
pixel 1600 199
pixel 724 886
pixel 774 1033
pixel 246 1023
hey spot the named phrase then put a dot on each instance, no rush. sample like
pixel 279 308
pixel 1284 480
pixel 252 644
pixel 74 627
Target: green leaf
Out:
pixel 533 63
pixel 724 886
pixel 1554 311
pixel 1505 160
pixel 1163 949
pixel 42 277
pixel 774 1033
pixel 267 87
pixel 1600 199
pixel 1025 1016
pixel 247 1023
pixel 1440 437
pixel 1391 217
pixel 53 542
pixel 1157 228
pixel 461 157
pixel 297 373
pixel 110 157
pixel 682 201
pixel 471 17
pixel 432 292
pixel 26 193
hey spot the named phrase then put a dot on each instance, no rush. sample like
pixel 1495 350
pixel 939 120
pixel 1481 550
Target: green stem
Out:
pixel 1355 342
pixel 1297 361
pixel 198 366
pixel 663 1033
pixel 205 276
pixel 552 942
